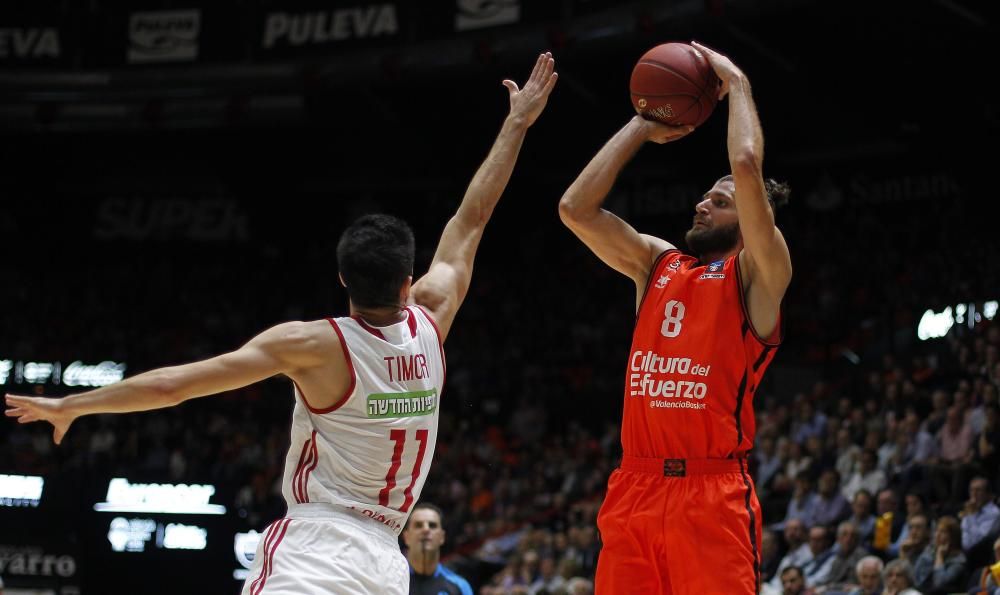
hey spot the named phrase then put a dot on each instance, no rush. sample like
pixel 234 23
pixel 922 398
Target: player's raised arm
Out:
pixel 281 349
pixel 765 257
pixel 613 240
pixel 443 288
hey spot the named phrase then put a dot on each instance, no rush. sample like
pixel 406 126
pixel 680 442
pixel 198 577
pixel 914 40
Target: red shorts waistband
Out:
pixel 682 467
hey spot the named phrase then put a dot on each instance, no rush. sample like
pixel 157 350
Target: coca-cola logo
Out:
pixel 102 374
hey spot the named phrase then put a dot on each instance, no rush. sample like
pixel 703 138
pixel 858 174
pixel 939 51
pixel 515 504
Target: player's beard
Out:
pixel 715 240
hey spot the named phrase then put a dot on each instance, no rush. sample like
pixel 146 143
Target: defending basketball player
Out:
pixel 366 388
pixel 681 515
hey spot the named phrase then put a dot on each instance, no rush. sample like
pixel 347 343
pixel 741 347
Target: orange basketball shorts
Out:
pixel 679 527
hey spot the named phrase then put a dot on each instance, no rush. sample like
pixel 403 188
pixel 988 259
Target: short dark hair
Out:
pixel 792 568
pixel 375 256
pixel 425 506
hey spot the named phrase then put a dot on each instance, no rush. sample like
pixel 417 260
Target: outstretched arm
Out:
pixel 281 349
pixel 765 258
pixel 443 288
pixel 613 240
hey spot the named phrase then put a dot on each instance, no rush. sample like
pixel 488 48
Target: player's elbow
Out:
pixel 164 388
pixel 746 160
pixel 569 211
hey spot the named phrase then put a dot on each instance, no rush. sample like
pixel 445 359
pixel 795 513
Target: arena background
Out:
pixel 174 177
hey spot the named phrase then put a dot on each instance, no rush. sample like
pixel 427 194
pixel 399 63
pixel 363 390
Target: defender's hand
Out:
pixel 528 103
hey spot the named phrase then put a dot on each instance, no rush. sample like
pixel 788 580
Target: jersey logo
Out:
pixel 713 271
pixel 411 404
pixel 662 282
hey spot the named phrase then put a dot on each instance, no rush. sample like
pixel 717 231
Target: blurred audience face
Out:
pixel 886 502
pixel 795 533
pixel 847 538
pixel 913 505
pixel 896 580
pixel 979 492
pixel 869 577
pixel 918 528
pixel 819 540
pixel 792 582
pixel 862 505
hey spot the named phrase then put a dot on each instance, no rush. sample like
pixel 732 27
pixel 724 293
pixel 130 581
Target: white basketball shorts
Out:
pixel 319 549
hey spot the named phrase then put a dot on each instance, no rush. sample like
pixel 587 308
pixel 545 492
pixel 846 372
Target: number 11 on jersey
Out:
pixel 399 437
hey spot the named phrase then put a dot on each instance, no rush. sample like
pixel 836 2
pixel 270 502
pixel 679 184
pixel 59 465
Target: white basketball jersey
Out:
pixel 372 450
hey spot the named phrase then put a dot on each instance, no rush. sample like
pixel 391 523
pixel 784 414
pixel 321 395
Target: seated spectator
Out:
pixel 822 551
pixel 847 452
pixel 948 476
pixel 918 538
pixel 988 578
pixel 986 445
pixel 798 552
pixel 898 578
pixel 869 573
pixel 839 568
pixel 915 504
pixel 803 504
pixel 770 555
pixel 941 568
pixel 792 581
pixel 980 519
pixel 862 515
pixel 549 580
pixel 831 506
pixel 888 521
pixel 866 476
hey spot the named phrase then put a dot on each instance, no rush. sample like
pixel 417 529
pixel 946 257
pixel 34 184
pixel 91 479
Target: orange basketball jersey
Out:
pixel 694 365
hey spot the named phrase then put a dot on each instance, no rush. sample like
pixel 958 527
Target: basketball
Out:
pixel 673 83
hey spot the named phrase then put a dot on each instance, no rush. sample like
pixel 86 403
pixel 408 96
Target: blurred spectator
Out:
pixel 941 568
pixel 866 476
pixel 839 568
pixel 918 538
pixel 987 579
pixel 831 506
pixel 869 574
pixel 862 515
pixel 822 551
pixel 980 518
pixel 798 551
pixel 898 577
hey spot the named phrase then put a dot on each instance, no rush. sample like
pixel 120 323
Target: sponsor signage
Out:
pixel 21 490
pixel 75 373
pixel 124 496
pixel 934 325
pixel 479 14
pixel 321 27
pixel 163 36
pixel 133 535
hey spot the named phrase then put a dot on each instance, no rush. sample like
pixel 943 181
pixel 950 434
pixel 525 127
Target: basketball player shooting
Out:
pixel 681 515
pixel 366 388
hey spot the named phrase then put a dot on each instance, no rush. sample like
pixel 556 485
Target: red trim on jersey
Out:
pixel 437 331
pixel 276 533
pixel 309 469
pixel 301 496
pixel 649 280
pixel 350 366
pixel 298 469
pixel 399 437
pixel 777 334
pixel 412 323
pixel 422 438
pixel 371 329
